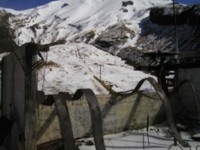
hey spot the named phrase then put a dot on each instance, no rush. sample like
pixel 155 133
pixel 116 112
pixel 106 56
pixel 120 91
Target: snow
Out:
pixel 89 15
pixel 77 64
pixel 157 138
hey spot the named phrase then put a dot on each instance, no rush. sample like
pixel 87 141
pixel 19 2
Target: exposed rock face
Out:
pixel 132 55
pixel 185 15
pixel 160 29
pixel 158 33
pixel 126 3
pixel 163 38
pixel 114 35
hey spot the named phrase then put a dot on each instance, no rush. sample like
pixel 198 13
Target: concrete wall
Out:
pixel 118 113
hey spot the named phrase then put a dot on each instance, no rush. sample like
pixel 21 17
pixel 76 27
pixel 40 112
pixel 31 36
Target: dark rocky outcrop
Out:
pixel 158 33
pixel 156 37
pixel 164 15
pixel 64 5
pixel 133 56
pixel 114 35
pixel 126 3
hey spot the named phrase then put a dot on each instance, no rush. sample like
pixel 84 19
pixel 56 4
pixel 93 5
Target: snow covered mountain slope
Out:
pixel 73 26
pixel 77 65
pixel 66 19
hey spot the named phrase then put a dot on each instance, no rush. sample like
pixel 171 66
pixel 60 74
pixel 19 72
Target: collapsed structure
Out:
pixel 20 98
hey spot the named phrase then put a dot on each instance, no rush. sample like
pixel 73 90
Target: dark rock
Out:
pixel 89 143
pixel 85 37
pixel 184 15
pixel 78 27
pixel 113 36
pixel 64 5
pixel 156 37
pixel 125 10
pixel 165 15
pixel 133 56
pixel 126 3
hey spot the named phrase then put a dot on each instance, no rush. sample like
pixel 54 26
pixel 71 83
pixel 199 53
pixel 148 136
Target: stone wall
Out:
pixel 118 113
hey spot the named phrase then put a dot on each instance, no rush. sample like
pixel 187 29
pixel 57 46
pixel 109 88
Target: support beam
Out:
pixel 30 109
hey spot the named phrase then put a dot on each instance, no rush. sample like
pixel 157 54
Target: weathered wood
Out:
pixel 96 117
pixel 19 97
pixel 7 84
pixel 65 123
pixel 30 99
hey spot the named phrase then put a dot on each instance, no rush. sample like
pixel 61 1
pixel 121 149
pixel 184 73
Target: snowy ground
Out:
pixel 158 138
pixel 77 65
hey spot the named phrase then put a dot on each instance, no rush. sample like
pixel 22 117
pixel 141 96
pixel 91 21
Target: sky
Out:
pixel 26 4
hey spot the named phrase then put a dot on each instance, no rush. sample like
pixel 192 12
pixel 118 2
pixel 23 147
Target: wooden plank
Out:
pixel 30 99
pixel 96 117
pixel 65 123
pixel 7 84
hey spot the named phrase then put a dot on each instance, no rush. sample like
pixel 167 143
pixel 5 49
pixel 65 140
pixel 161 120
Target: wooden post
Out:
pixel 30 99
pixel 96 117
pixel 65 123
pixel 7 75
pixel 19 97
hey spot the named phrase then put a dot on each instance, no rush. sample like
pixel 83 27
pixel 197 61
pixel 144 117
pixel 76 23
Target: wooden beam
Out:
pixel 30 99
pixel 65 123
